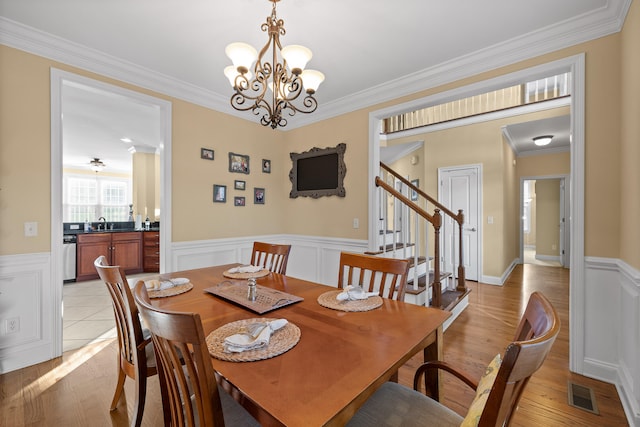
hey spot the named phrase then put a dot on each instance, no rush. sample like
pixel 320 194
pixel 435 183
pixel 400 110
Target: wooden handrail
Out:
pixel 436 221
pixel 459 217
pixel 433 219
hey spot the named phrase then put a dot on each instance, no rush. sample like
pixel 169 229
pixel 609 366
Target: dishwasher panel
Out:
pixel 69 261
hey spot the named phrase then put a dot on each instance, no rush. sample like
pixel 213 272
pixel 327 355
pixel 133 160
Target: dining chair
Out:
pixel 387 276
pixel 190 393
pixel 272 257
pixel 497 392
pixel 136 358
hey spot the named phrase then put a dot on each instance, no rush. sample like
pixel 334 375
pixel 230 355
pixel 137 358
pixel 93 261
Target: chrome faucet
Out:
pixel 104 222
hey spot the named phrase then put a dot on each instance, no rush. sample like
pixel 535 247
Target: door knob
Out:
pixel 471 229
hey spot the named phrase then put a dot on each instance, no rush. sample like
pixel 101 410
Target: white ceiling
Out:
pixel 369 50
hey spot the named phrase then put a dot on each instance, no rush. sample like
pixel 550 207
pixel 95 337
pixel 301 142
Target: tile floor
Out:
pixel 88 313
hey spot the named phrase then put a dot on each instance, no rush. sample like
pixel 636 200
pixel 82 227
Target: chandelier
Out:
pixel 269 89
pixel 96 165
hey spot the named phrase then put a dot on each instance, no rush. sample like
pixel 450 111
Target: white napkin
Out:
pixel 245 269
pixel 352 293
pixel 157 285
pixel 256 336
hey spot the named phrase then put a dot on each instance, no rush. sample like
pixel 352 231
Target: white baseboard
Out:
pixel 499 281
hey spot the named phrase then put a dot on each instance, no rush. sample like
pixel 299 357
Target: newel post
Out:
pixel 437 286
pixel 461 285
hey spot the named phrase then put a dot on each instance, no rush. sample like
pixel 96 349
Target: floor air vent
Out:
pixel 582 397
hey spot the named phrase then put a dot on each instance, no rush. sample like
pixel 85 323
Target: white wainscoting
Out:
pixel 612 329
pixel 26 293
pixel 312 258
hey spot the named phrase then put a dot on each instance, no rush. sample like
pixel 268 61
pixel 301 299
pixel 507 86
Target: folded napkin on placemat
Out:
pixel 245 269
pixel 255 336
pixel 161 285
pixel 158 285
pixel 354 293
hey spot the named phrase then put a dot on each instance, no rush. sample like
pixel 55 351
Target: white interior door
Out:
pixel 460 189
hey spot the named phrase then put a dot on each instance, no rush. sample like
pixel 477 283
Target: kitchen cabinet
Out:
pixel 123 249
pixel 151 249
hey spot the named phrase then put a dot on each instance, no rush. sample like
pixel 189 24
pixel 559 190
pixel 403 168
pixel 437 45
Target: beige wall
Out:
pixel 547 217
pixel 145 183
pixel 330 216
pixel 630 140
pixel 24 177
pixel 195 216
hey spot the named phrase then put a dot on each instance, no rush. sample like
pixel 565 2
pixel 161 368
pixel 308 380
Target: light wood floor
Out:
pixel 76 389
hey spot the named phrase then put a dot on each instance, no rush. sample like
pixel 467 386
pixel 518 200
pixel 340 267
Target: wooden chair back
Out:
pixel 270 256
pixel 189 388
pixel 136 360
pixel 536 333
pixel 387 276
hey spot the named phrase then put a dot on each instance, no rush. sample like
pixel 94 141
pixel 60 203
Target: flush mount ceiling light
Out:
pixel 270 88
pixel 96 165
pixel 542 140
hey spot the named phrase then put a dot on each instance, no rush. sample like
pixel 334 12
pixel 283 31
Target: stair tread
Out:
pixel 422 284
pixel 451 298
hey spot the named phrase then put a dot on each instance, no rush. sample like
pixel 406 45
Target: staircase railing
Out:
pixel 435 220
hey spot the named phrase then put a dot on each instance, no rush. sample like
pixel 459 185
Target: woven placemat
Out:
pixel 281 341
pixel 328 299
pixel 176 290
pixel 261 273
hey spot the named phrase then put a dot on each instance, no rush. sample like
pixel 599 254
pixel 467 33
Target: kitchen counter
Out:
pixel 131 230
pixel 76 228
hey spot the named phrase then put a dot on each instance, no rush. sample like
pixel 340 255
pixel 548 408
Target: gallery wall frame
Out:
pixel 238 163
pixel 258 196
pixel 207 153
pixel 219 193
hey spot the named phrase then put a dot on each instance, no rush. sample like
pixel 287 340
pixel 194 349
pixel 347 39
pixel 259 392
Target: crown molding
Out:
pixel 598 23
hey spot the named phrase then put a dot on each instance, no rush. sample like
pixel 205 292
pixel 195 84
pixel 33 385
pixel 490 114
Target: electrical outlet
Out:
pixel 12 325
pixel 356 223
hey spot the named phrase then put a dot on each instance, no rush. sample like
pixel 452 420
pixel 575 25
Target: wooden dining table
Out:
pixel 341 358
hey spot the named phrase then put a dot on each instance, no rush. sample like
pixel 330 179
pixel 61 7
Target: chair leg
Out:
pixel 141 395
pixel 119 388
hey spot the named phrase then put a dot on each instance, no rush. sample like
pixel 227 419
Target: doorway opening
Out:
pixel 544 213
pixel 576 66
pixel 61 81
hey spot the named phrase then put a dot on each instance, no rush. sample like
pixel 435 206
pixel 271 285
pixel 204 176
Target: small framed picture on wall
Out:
pixel 239 185
pixel 258 196
pixel 206 153
pixel 219 193
pixel 238 201
pixel 414 193
pixel 266 166
pixel 238 163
